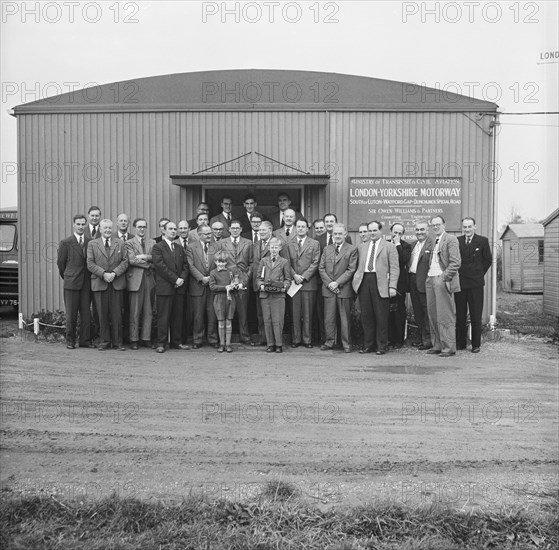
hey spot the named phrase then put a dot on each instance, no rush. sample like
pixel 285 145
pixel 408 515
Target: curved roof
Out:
pixel 256 90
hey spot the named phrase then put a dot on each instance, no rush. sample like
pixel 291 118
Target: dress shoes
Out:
pixel 423 347
pixel 196 346
pixel 70 346
pixel 228 349
pixel 160 349
pixel 380 352
pixel 89 345
pixel 324 347
pixel 120 348
pixel 103 348
pixel 417 344
pixel 309 346
pixel 279 349
pixel 447 354
pixel 294 345
pixel 433 351
pixel 220 349
pixel 183 346
pixel 347 350
pixel 366 350
pixel 475 350
pixel 270 349
pixel 134 346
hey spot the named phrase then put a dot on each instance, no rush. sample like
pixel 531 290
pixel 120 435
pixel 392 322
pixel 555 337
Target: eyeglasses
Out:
pixel 141 227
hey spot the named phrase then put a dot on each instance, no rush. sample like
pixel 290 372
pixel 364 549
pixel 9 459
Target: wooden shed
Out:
pixel 551 264
pixel 523 252
pixel 363 148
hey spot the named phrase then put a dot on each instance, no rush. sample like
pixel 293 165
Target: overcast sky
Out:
pixel 505 52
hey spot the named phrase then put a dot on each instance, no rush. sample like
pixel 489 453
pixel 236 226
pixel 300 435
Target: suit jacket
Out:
pixel 422 263
pixel 138 269
pixel 339 268
pixel 323 240
pixel 72 263
pixel 280 234
pixel 245 222
pixel 87 232
pixel 237 258
pixel 99 261
pixel 449 260
pixel 257 254
pixel 221 218
pixel 386 266
pixel 278 271
pixel 305 262
pixel 476 260
pixel 275 219
pixel 197 266
pixel 248 235
pixel 170 265
pixel 404 252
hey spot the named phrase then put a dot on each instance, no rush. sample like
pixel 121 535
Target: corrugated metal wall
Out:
pixel 122 163
pixel 551 268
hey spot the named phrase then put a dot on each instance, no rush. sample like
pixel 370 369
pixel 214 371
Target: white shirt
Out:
pixel 78 237
pixel 369 256
pixel 415 255
pixel 170 243
pixel 435 267
pixel 301 240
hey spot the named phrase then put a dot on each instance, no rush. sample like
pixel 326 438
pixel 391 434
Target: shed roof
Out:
pixel 551 217
pixel 524 230
pixel 257 90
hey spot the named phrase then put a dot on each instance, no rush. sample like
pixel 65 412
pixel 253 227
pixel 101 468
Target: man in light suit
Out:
pixel 418 266
pixel 108 262
pixel 442 282
pixel 397 318
pixel 171 274
pixel 476 257
pixel 225 217
pixel 303 254
pixel 375 282
pixel 238 252
pixel 140 283
pixel 337 267
pixel 260 250
pixel 72 266
pixel 287 233
pixel 200 257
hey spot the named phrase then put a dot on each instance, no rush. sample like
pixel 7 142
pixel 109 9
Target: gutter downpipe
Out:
pixel 493 314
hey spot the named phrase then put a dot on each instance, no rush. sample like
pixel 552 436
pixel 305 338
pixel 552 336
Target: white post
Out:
pixel 21 322
pixel 36 326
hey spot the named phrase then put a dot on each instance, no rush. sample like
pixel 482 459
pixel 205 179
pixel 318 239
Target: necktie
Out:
pixel 468 241
pixel 435 252
pixel 227 218
pixel 372 258
pixel 282 221
pixel 235 244
pixel 254 237
pixel 93 232
pixel 205 248
pixel 184 243
pixel 330 240
pixel 81 241
pixel 123 236
pixel 337 249
pixel 143 243
pixel 300 244
pixel 287 231
pixel 273 260
pixel 106 243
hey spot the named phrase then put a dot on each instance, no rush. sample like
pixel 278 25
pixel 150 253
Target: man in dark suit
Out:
pixel 250 204
pixel 171 274
pixel 284 203
pixel 442 282
pixel 122 233
pixel 225 217
pixel 202 208
pixel 200 257
pixel 92 231
pixel 107 260
pixel 140 284
pixel 476 257
pixel 397 318
pixel 72 266
pixel 260 250
pixel 375 282
pixel 252 236
pixel 418 266
pixel 238 252
pixel 303 254
pixel 337 266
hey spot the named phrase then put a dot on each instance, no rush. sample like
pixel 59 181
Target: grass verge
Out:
pixel 271 523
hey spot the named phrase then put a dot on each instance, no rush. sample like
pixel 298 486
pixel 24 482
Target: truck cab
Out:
pixel 9 258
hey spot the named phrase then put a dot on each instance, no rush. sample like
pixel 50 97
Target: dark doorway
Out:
pixel 266 198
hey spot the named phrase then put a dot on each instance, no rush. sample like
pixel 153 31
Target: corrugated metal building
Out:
pixel 157 146
pixel 523 258
pixel 551 264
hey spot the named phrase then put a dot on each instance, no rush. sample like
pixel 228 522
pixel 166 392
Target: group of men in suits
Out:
pixel 443 274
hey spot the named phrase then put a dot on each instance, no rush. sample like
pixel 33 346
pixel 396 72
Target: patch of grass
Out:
pixel 41 522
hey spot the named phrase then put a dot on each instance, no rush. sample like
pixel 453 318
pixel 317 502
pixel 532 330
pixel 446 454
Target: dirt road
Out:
pixel 471 431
